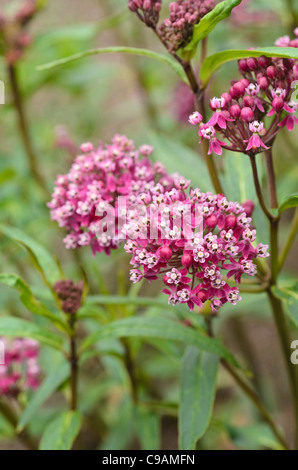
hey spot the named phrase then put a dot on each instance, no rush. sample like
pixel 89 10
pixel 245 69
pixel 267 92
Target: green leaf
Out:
pixel 168 60
pixel 208 23
pixel 16 327
pixel 124 300
pixel 48 387
pixel 161 328
pixel 148 429
pixel 289 295
pixel 253 437
pixel 215 61
pixel 197 393
pixel 61 433
pixel 288 202
pixel 31 303
pixel 42 259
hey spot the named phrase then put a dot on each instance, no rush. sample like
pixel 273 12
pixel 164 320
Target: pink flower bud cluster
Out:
pixel 70 294
pixel 199 237
pixel 177 30
pixel 14 38
pixel 95 181
pixel 21 370
pixel 147 10
pixel 263 94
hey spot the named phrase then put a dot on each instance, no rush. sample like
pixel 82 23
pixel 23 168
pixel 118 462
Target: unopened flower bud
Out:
pixel 211 221
pixel 248 207
pixel 230 222
pixel 247 114
pixel 186 260
pixel 278 104
pixel 165 253
pixel 235 111
pixel 252 63
pixel 271 72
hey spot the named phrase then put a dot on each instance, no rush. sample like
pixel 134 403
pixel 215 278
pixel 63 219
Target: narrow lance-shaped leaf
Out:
pixel 215 61
pixel 197 393
pixel 161 328
pixel 208 23
pixel 47 388
pixel 168 60
pixel 148 429
pixel 18 328
pixel 42 259
pixel 61 433
pixel 31 303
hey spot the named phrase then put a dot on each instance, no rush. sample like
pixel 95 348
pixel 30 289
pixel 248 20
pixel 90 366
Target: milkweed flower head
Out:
pixel 14 35
pixel 70 295
pixel 84 196
pixel 21 370
pixel 248 116
pixel 147 10
pixel 196 242
pixel 176 31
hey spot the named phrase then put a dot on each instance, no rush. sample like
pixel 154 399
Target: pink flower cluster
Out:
pixel 198 237
pixel 264 93
pixel 14 37
pixel 177 30
pixel 21 370
pixel 147 10
pixel 97 178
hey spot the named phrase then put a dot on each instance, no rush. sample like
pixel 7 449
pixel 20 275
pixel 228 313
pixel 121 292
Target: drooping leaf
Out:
pixel 215 61
pixel 31 303
pixel 47 388
pixel 41 258
pixel 148 429
pixel 208 23
pixel 197 393
pixel 161 328
pixel 165 59
pixel 61 433
pixel 18 328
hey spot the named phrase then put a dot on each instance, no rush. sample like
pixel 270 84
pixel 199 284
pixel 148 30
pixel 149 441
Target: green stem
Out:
pixel 24 129
pixel 12 418
pixel 290 240
pixel 131 371
pixel 271 179
pixel 74 365
pixel 250 393
pixel 285 340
